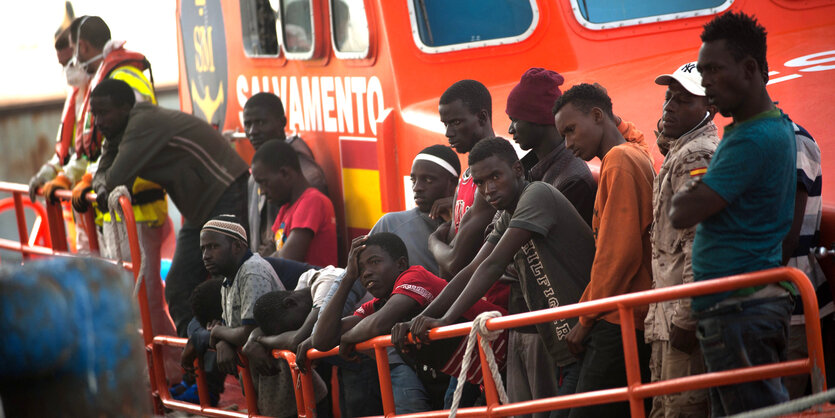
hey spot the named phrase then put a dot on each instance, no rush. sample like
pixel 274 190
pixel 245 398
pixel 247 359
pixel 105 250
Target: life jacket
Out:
pixel 88 138
pixel 66 131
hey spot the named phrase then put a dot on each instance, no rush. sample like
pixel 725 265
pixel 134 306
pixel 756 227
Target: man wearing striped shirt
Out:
pixel 203 175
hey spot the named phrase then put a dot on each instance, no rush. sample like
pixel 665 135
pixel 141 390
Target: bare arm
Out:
pixel 380 322
pixel 694 204
pixel 331 324
pixel 235 336
pixel 466 289
pixel 290 340
pixel 791 240
pixel 298 242
pixel 457 254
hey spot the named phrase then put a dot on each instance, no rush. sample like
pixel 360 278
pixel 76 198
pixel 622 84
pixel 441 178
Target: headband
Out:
pixel 230 229
pixel 437 160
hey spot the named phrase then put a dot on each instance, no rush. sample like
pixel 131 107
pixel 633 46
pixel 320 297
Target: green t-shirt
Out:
pixel 754 171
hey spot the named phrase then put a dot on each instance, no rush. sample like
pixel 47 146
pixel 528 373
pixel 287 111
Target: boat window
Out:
pixel 604 14
pixel 258 28
pixel 296 22
pixel 349 28
pixel 442 25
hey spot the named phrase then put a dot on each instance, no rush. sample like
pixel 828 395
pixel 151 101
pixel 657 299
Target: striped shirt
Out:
pixel 809 179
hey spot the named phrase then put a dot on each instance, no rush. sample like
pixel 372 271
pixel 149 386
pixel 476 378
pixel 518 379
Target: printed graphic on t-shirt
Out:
pixel 280 238
pixel 561 327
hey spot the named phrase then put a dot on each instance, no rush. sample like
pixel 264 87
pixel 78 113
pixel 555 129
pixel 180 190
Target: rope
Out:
pixel 479 329
pixel 118 233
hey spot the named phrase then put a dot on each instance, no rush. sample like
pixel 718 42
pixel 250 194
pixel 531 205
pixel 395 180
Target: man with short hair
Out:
pixel 620 223
pixel 264 120
pixel 687 140
pixel 549 244
pixel 246 277
pixel 466 110
pixel 305 228
pixel 744 206
pixel 529 106
pixel 184 155
pixel 434 174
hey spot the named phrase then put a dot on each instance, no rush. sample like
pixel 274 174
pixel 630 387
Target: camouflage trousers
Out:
pixel 667 362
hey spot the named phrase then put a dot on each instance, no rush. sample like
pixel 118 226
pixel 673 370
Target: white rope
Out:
pixel 118 234
pixel 479 329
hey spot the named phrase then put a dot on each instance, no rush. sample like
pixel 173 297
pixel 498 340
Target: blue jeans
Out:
pixel 567 377
pixel 409 394
pixel 748 333
pixel 469 394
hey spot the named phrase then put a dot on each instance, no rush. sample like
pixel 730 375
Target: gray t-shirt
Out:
pixel 254 278
pixel 414 228
pixel 555 265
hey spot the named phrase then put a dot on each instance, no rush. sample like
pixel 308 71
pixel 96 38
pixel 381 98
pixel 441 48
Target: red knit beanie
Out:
pixel 533 98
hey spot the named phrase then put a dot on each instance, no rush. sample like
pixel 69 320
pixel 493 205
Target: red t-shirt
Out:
pixel 314 211
pixel 464 198
pixel 422 286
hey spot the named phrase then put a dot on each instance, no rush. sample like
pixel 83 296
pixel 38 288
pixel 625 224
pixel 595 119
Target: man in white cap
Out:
pixel 687 139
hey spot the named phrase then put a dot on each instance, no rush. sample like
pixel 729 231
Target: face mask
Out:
pixel 76 75
pixel 76 72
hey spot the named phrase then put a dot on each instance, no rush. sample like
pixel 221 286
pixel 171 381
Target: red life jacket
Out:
pixel 67 128
pixel 88 138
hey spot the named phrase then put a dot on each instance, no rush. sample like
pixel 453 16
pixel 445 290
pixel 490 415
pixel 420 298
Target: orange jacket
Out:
pixel 621 223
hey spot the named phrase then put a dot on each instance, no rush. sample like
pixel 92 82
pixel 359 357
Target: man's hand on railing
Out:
pixel 399 335
pixel 682 339
pixel 260 358
pixel 60 182
pixel 301 354
pixel 576 338
pixel 188 357
pixel 422 324
pixel 348 351
pixel 79 193
pixel 101 198
pixel 227 358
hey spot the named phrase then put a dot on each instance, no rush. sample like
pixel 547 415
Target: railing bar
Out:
pixel 631 359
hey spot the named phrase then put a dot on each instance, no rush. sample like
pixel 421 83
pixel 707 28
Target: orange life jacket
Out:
pixel 88 138
pixel 67 128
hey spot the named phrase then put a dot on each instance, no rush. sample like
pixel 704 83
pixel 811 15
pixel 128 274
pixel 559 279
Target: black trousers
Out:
pixel 603 367
pixel 187 270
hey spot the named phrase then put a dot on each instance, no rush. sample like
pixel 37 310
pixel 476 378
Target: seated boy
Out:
pixel 207 306
pixel 246 276
pixel 305 228
pixel 381 263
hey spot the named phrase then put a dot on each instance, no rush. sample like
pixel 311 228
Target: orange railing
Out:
pixel 634 392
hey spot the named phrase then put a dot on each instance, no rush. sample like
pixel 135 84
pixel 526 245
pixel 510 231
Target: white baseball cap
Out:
pixel 687 76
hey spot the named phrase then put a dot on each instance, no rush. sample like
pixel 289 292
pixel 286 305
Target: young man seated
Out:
pixel 207 306
pixel 286 319
pixel 305 228
pixel 381 263
pixel 621 222
pixel 280 316
pixel 434 176
pixel 246 276
pixel 550 245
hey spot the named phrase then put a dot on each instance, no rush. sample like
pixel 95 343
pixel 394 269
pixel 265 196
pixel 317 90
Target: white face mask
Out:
pixel 76 72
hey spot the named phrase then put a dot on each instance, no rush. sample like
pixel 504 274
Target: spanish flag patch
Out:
pixel 698 171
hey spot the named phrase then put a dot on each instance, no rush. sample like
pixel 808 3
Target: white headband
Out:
pixel 433 159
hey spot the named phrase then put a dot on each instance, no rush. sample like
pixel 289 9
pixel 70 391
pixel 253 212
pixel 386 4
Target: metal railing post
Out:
pixel 631 359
